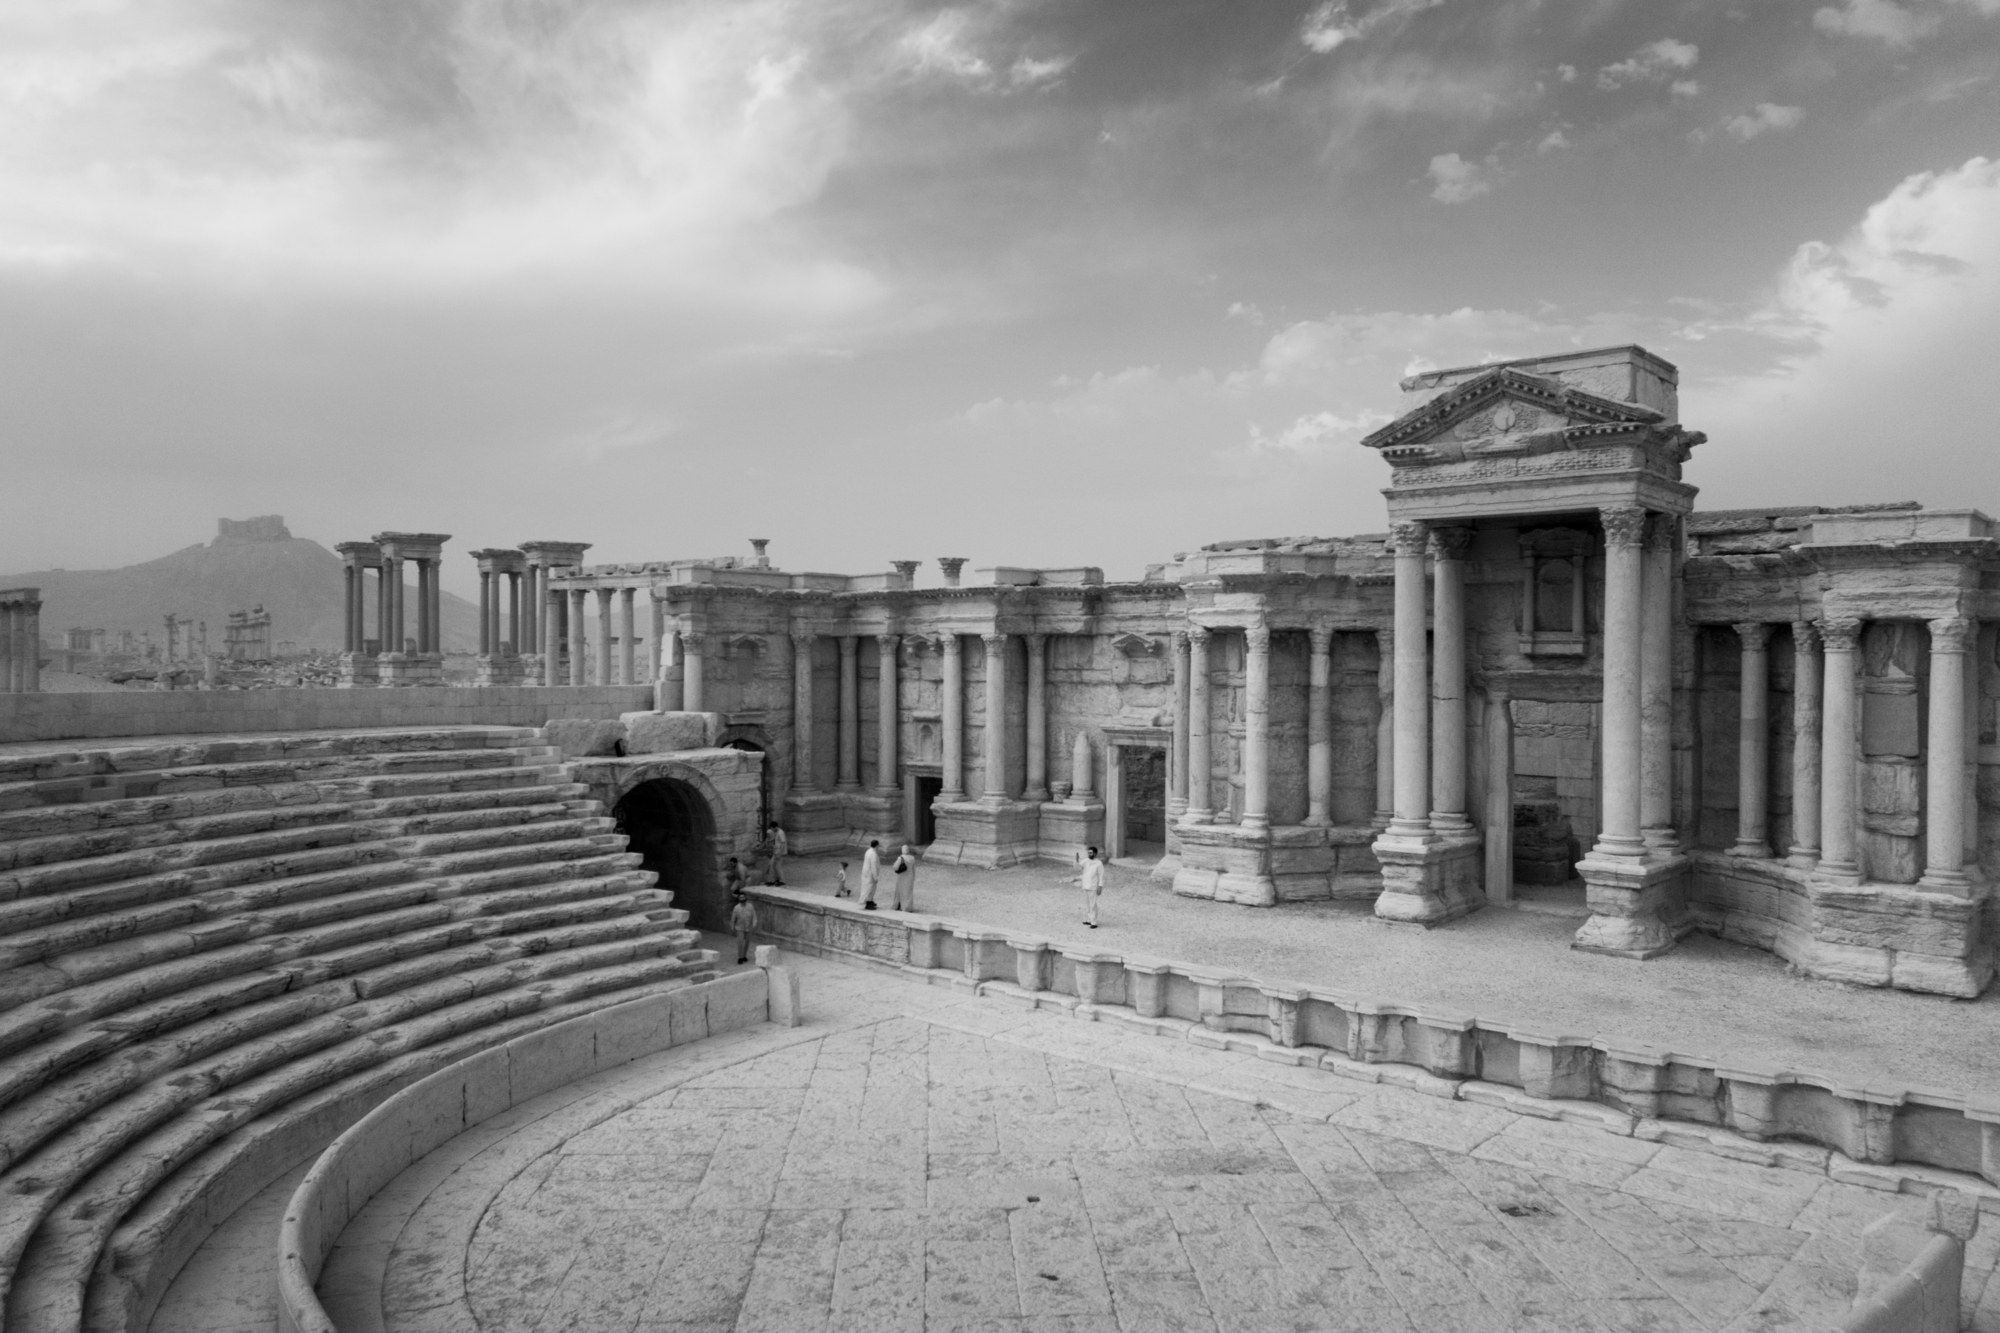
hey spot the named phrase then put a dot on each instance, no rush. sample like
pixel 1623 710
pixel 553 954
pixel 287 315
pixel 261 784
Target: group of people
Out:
pixel 743 913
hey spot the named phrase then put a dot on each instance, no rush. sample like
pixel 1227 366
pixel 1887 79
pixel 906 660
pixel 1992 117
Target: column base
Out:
pixel 989 834
pixel 1428 881
pixel 357 669
pixel 1756 851
pixel 815 823
pixel 1638 908
pixel 498 669
pixel 874 814
pixel 411 668
pixel 1229 863
pixel 1066 829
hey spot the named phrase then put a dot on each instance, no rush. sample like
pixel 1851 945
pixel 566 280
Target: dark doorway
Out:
pixel 668 823
pixel 927 791
pixel 763 782
pixel 1145 789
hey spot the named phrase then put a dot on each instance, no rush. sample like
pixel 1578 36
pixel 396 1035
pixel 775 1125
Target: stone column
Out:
pixel 437 605
pixel 1753 742
pixel 532 597
pixel 486 612
pixel 1319 729
pixel 385 608
pixel 1412 703
pixel 1038 719
pixel 1448 547
pixel 1840 751
pixel 423 605
pixel 656 641
pixel 1944 760
pixel 886 780
pixel 1624 528
pixel 9 680
pixel 1499 796
pixel 694 655
pixel 551 643
pixel 996 716
pixel 351 639
pixel 802 712
pixel 850 714
pixel 1199 763
pixel 1804 850
pixel 578 635
pixel 392 642
pixel 627 655
pixel 1257 726
pixel 954 721
pixel 1656 688
pixel 1970 784
pixel 1177 751
pixel 603 635
pixel 1385 727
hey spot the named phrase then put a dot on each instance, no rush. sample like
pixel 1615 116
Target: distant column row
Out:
pixel 20 640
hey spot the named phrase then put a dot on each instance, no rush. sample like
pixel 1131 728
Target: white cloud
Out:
pixel 1245 311
pixel 1554 141
pixel 1883 20
pixel 1567 73
pixel 1686 88
pixel 1655 62
pixel 1332 25
pixel 1455 180
pixel 1317 432
pixel 1763 119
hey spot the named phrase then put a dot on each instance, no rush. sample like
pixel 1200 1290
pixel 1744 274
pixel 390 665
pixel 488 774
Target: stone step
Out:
pixel 430 804
pixel 186 751
pixel 157 1236
pixel 169 834
pixel 570 845
pixel 485 817
pixel 531 875
pixel 50 1243
pixel 496 834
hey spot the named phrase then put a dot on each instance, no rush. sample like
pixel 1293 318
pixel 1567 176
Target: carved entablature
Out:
pixel 1508 441
pixel 1137 645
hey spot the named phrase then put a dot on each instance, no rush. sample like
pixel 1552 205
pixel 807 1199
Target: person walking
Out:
pixel 906 881
pixel 871 873
pixel 779 848
pixel 733 877
pixel 1091 877
pixel 840 889
pixel 743 920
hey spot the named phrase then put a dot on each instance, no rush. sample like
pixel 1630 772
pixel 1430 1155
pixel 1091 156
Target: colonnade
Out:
pixel 20 641
pixel 847 731
pixel 1826 750
pixel 500 576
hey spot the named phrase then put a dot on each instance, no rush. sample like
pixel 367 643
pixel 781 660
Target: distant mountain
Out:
pixel 250 563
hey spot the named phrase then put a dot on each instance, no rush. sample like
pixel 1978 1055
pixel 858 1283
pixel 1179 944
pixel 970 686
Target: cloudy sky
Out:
pixel 1029 281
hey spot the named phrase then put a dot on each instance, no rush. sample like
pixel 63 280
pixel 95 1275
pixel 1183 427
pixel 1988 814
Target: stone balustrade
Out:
pixel 1903 1138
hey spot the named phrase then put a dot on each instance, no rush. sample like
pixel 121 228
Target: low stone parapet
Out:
pixel 1894 1139
pixel 1911 1269
pixel 430 1112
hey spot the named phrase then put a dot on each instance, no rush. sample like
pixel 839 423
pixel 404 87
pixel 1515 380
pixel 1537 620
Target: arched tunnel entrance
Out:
pixel 670 825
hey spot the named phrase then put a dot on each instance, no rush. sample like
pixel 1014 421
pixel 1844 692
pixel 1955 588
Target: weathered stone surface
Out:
pixel 663 733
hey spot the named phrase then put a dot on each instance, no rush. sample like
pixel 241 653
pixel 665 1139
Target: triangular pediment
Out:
pixel 1507 412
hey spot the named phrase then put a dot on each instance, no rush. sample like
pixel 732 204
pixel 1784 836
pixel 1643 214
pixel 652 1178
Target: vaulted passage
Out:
pixel 670 825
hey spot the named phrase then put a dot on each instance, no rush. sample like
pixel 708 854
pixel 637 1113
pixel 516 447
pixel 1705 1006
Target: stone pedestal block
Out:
pixel 1431 881
pixel 664 733
pixel 1068 827
pixel 874 814
pixel 1146 984
pixel 357 669
pixel 498 669
pixel 815 824
pixel 986 834
pixel 1227 862
pixel 1638 909
pixel 1100 977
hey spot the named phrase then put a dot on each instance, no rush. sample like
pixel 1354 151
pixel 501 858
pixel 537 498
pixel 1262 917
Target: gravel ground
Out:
pixel 1707 998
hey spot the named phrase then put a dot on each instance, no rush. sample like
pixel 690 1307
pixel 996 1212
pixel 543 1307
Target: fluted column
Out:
pixel 578 636
pixel 694 664
pixel 385 607
pixel 1038 719
pixel 424 572
pixel 1319 729
pixel 1499 795
pixel 1624 529
pixel 996 716
pixel 351 620
pixel 850 714
pixel 1448 548
pixel 1753 742
pixel 656 641
pixel 1385 727
pixel 954 720
pixel 802 712
pixel 1656 688
pixel 1257 726
pixel 603 635
pixel 885 712
pixel 533 595
pixel 485 612
pixel 1804 850
pixel 1944 760
pixel 437 606
pixel 1840 750
pixel 393 640
pixel 516 607
pixel 1199 811
pixel 1412 703
pixel 626 635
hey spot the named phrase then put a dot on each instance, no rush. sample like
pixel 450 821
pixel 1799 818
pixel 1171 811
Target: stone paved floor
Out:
pixel 1708 998
pixel 917 1158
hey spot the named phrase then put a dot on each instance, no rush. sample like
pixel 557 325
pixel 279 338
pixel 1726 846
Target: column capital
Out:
pixel 1180 638
pixel 1663 534
pixel 887 642
pixel 1754 633
pixel 1198 635
pixel 1322 639
pixel 1805 635
pixel 993 640
pixel 803 642
pixel 1450 543
pixel 1950 634
pixel 1258 637
pixel 1407 537
pixel 1841 634
pixel 1624 525
pixel 950 643
pixel 1035 640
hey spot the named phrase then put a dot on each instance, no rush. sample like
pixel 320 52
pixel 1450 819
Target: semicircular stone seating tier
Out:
pixel 218 953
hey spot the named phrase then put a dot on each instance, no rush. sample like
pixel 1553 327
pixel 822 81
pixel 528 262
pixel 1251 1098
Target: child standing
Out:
pixel 840 882
pixel 743 920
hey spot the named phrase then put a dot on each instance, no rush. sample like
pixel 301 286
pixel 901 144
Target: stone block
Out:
pixel 581 738
pixel 664 733
pixel 784 995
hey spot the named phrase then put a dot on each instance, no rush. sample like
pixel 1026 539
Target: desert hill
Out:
pixel 250 563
